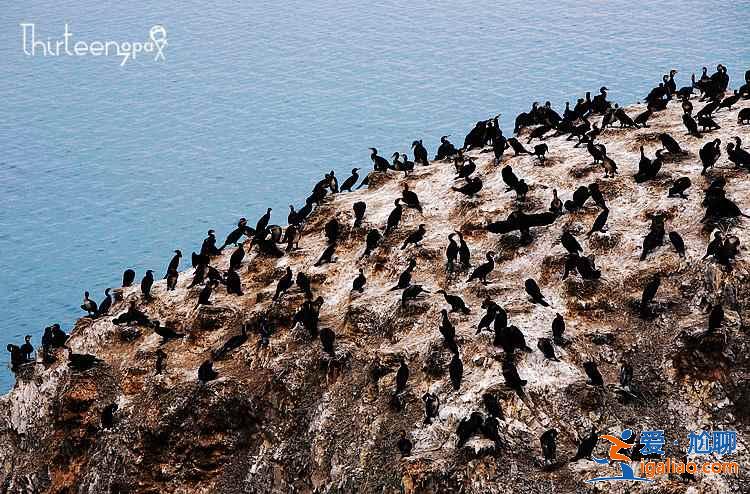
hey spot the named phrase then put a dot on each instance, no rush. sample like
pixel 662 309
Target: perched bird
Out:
pixel 165 333
pixel 206 372
pixel 451 252
pixel 586 447
pixel 599 222
pixel 415 237
pixel 558 329
pixel 535 293
pixel 404 279
pixel 431 407
pixel 231 344
pixel 285 282
pixel 81 362
pixel 371 241
pixel 679 187
pixel 570 243
pixel 483 270
pixel 715 318
pixel 548 441
pixel 472 186
pixel 492 406
pixel 359 208
pixel 404 445
pixel 595 377
pixel 678 243
pixel 146 283
pixel 512 379
pixel 411 293
pixel 89 305
pixel 359 282
pixel 547 348
pixel 402 376
pixel 410 198
pixel 351 181
pixel 327 340
pixel 457 303
pixel 649 292
pixel 456 371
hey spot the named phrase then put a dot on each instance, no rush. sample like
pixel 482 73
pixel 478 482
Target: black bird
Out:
pixel 284 284
pixel 457 303
pixel 534 292
pixel 351 181
pixel 708 123
pixel 359 282
pixel 456 371
pixel 232 343
pixel 206 372
pixel 678 243
pixel 517 146
pixel 327 340
pixel 690 125
pixel 446 149
pixel 714 246
pixel 108 416
pixel 146 283
pixel 172 279
pixel 89 305
pixel 586 447
pixel 451 252
pixel 331 230
pixel 540 150
pixel 464 254
pixel 242 229
pixel 208 247
pixel 380 164
pixel 395 217
pixel 262 224
pixel 649 292
pixel 512 379
pixel 472 186
pixel 492 406
pixel 327 256
pixel 411 293
pixel 547 349
pixel 467 427
pixel 650 242
pixel 679 187
pixel 510 178
pixel 165 333
pixel 558 329
pixel 128 277
pixel 402 376
pixel 709 154
pixel 415 237
pixel 570 243
pixel 670 144
pixel 81 362
pixel 599 222
pixel 404 279
pixel 431 407
pixel 404 445
pixel 715 318
pixel 596 194
pixel 549 446
pixel 483 270
pixel 556 204
pixel 446 327
pixel 235 260
pixel 204 298
pixel 642 118
pixel 489 316
pixel 174 264
pixel 371 241
pixel 233 282
pixel 420 153
pixel 359 213
pixel 410 198
pixel 595 377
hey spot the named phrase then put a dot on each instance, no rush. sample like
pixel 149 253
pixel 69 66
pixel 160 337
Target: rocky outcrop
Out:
pixel 288 417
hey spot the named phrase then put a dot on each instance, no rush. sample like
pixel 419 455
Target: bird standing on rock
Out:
pixel 534 292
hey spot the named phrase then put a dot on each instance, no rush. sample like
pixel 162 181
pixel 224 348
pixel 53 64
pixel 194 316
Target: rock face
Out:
pixel 289 417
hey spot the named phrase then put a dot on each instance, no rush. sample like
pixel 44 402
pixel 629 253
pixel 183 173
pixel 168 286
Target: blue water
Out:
pixel 105 167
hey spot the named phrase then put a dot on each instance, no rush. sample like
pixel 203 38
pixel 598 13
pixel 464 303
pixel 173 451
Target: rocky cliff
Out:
pixel 290 417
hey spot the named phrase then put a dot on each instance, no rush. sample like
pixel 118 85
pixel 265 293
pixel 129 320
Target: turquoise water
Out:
pixel 105 167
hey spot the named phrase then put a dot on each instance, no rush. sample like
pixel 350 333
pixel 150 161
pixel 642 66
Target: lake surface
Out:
pixel 104 167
